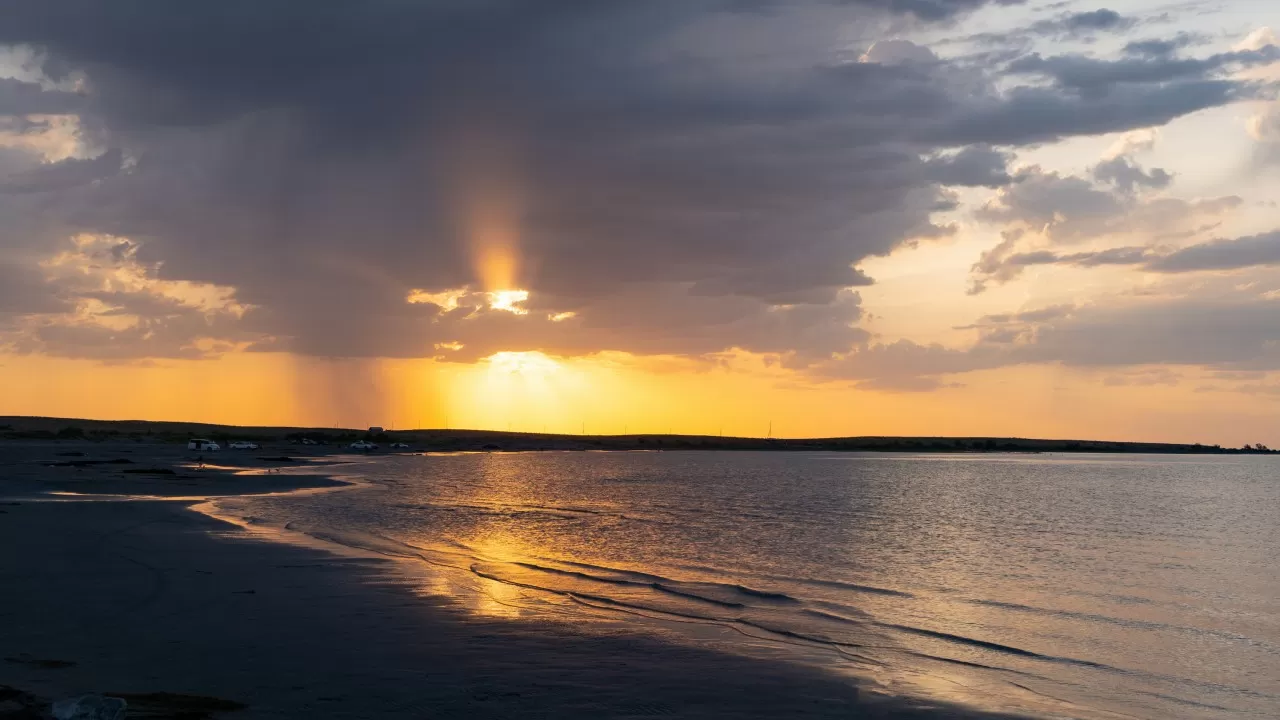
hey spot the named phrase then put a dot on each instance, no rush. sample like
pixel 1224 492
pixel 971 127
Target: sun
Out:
pixel 529 364
pixel 509 301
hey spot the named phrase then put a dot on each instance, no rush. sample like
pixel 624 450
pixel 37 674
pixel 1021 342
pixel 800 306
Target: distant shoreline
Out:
pixel 437 440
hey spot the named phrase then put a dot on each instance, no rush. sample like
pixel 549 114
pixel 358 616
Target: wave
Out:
pixel 664 585
pixel 480 572
pixel 997 647
pixel 581 575
pixel 661 583
pixel 694 596
pixel 853 586
pixel 834 617
pixel 766 594
pixel 1125 622
pixel 797 634
pixel 647 577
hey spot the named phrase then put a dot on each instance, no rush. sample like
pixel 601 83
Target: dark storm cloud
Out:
pixel 24 98
pixel 679 175
pixel 62 175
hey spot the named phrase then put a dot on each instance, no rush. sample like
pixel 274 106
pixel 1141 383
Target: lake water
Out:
pixel 1064 585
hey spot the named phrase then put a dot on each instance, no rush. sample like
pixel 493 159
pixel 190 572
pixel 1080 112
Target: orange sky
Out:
pixel 614 394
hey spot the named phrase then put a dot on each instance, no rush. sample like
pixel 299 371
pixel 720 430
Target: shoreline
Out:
pixel 144 596
pixel 22 428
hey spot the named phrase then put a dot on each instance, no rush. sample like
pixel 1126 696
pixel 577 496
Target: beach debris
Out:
pixel 89 707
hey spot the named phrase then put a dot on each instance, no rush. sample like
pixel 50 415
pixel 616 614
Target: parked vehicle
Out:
pixel 243 445
pixel 203 445
pixel 400 446
pixel 363 445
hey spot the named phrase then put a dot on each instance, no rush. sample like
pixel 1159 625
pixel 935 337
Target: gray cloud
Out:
pixel 62 175
pixel 24 98
pixel 975 166
pixel 658 169
pixel 1224 254
pixel 906 366
pixel 21 292
pixel 1127 176
pixel 1092 75
pixel 1116 199
pixel 1066 207
pixel 1234 333
pixel 1253 251
pixel 1083 23
pixel 1164 47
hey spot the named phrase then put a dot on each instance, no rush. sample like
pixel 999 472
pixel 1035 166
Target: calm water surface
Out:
pixel 1062 585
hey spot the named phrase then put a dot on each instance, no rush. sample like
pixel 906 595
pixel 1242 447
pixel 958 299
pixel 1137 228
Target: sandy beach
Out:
pixel 183 613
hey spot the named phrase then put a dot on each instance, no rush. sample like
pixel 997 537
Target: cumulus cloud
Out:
pixel 1042 211
pixel 654 192
pixel 1128 176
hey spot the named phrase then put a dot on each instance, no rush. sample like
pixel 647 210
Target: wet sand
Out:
pixel 146 596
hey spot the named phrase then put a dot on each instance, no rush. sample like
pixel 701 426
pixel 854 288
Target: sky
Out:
pixel 799 217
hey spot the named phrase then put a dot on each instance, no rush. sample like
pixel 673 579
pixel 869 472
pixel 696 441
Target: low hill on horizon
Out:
pixel 50 428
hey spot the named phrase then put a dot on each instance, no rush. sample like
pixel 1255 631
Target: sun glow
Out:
pixel 509 301
pixel 447 300
pixel 522 363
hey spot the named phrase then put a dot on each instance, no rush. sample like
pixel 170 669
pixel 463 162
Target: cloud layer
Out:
pixel 660 177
